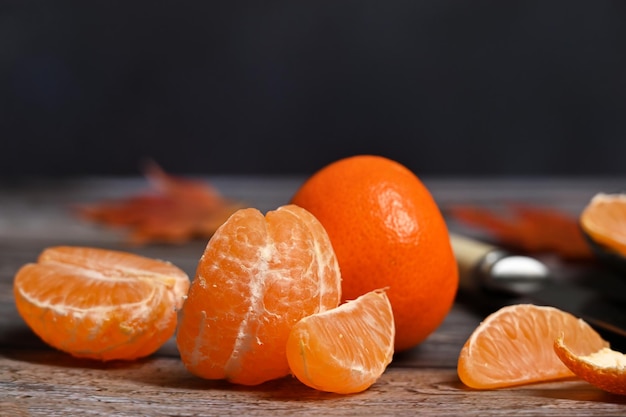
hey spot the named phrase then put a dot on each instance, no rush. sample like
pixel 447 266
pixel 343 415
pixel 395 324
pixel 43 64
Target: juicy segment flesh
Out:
pixel 514 346
pixel 257 277
pixel 344 350
pixel 100 304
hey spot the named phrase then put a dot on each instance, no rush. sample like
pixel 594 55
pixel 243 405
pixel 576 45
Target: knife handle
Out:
pixel 470 254
pixel 486 267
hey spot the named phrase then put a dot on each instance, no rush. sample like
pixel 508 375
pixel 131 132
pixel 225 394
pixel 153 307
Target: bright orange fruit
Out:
pixel 514 346
pixel 387 232
pixel 100 304
pixel 259 275
pixel 346 349
pixel 604 221
pixel 606 368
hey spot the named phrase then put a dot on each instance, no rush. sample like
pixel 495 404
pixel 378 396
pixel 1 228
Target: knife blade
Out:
pixel 495 276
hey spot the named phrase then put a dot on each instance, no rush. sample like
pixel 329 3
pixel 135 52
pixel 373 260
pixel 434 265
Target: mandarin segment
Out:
pixel 258 276
pixel 346 349
pixel 100 304
pixel 604 221
pixel 387 232
pixel 605 368
pixel 514 346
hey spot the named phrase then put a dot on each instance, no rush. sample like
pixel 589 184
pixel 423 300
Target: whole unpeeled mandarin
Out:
pixel 387 231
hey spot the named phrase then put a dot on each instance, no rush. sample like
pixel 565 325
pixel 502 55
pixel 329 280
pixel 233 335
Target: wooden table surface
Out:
pixel 36 380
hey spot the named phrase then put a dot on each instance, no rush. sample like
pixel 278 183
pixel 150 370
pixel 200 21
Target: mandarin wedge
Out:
pixel 344 350
pixel 514 346
pixel 604 221
pixel 605 368
pixel 100 304
pixel 258 276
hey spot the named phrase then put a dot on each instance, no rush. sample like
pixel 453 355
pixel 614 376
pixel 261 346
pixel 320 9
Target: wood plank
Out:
pixel 51 384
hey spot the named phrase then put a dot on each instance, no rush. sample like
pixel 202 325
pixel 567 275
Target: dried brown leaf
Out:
pixel 528 228
pixel 175 210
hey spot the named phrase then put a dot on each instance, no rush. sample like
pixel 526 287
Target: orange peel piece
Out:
pixel 604 368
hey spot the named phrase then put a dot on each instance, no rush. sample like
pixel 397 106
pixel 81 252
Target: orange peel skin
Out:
pixel 605 368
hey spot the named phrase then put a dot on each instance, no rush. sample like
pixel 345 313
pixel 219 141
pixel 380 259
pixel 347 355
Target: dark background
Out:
pixel 272 87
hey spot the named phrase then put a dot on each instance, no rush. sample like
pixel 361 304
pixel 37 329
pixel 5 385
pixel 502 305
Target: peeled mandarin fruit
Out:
pixel 604 221
pixel 100 304
pixel 605 368
pixel 346 349
pixel 387 232
pixel 514 346
pixel 259 275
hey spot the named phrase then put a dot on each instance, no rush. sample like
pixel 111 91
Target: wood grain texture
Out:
pixel 53 384
pixel 36 380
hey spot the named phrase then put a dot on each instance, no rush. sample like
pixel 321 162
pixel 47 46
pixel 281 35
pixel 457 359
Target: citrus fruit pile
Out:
pixel 356 267
pixel 265 304
pixel 326 288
